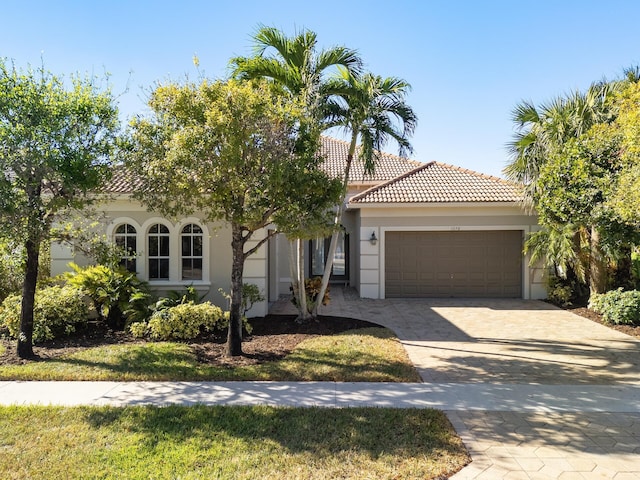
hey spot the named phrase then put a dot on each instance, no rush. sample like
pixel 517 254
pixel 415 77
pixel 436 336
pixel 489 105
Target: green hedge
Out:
pixel 57 311
pixel 617 306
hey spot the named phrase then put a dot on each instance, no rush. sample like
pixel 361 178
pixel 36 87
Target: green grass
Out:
pixel 226 443
pixel 365 355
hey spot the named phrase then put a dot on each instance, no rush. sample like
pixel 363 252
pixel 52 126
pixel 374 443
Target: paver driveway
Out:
pixel 519 349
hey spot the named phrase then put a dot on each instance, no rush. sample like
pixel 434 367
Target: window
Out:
pixel 125 238
pixel 191 244
pixel 158 252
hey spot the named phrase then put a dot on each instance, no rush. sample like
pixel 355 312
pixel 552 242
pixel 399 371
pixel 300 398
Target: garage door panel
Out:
pixel 454 264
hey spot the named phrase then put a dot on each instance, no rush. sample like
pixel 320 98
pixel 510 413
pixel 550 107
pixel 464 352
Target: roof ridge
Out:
pixel 391 181
pixel 475 173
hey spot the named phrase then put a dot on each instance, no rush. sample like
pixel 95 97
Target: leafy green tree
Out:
pixel 573 190
pixel 372 110
pixel 56 145
pixel 295 64
pixel 542 131
pixel 228 150
pixel 626 199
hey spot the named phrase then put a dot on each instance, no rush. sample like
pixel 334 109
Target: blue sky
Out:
pixel 469 62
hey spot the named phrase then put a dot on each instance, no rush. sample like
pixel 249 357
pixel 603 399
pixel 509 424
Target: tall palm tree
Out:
pixel 295 64
pixel 372 110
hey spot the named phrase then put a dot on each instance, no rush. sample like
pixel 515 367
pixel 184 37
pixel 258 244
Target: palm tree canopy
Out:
pixel 542 131
pixel 294 62
pixel 372 109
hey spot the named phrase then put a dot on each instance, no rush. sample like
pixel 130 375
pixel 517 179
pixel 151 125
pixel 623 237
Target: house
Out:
pixel 410 229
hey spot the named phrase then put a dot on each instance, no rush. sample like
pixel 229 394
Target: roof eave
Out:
pixel 359 205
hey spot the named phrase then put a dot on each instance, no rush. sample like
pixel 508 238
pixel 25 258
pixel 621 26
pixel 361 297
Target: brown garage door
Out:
pixel 454 264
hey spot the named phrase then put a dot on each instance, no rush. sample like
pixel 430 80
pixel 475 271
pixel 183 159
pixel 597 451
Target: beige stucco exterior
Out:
pixel 269 269
pixel 216 272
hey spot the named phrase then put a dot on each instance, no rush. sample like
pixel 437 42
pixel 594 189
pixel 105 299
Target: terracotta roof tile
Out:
pixel 390 166
pixel 335 153
pixel 439 183
pixel 122 181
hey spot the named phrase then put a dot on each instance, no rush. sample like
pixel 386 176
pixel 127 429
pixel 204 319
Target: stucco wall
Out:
pixel 216 259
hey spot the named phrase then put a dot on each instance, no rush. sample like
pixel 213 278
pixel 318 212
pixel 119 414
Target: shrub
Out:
pixel 110 290
pixel 251 295
pixel 312 289
pixel 185 321
pixel 57 311
pixel 564 291
pixel 617 306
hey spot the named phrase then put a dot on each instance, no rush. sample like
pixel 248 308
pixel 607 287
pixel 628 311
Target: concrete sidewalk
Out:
pixel 443 396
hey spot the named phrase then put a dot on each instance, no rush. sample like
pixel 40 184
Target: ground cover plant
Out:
pixel 279 349
pixel 227 443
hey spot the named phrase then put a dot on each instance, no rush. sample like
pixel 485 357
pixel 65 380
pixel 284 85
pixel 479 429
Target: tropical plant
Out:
pixel 295 65
pixel 110 291
pixel 372 110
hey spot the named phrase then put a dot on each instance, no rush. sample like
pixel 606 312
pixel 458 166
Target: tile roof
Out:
pixel 390 166
pixel 122 181
pixel 437 182
pixel 335 153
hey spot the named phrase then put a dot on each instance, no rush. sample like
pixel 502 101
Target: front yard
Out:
pixel 333 349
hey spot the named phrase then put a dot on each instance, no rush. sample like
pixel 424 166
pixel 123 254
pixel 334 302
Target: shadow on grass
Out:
pixel 355 357
pixel 323 432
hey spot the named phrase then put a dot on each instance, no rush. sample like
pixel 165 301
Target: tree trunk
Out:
pixel 234 335
pixel 25 339
pixel 597 265
pixel 333 245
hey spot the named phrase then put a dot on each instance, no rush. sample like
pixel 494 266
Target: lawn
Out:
pixel 360 355
pixel 227 443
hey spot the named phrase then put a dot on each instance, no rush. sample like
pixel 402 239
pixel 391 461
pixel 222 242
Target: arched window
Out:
pixel 158 255
pixel 191 244
pixel 125 238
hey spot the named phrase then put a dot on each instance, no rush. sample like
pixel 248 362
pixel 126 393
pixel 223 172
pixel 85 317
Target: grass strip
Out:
pixel 224 442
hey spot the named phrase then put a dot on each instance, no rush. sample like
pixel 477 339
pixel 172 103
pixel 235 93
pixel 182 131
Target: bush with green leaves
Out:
pixel 617 306
pixel 181 322
pixel 111 291
pixel 57 311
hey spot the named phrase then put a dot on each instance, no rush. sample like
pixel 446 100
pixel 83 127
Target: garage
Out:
pixel 454 264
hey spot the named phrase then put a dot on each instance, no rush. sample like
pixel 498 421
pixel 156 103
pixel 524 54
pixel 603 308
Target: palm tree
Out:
pixel 295 64
pixel 542 133
pixel 373 110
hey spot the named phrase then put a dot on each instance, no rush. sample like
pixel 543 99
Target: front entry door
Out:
pixel 319 250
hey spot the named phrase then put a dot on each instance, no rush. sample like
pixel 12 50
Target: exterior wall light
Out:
pixel 373 239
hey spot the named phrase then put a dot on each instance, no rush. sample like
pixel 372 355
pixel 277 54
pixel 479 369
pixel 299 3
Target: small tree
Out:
pixel 232 151
pixel 56 142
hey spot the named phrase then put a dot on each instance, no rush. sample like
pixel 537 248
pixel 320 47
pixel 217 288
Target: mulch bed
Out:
pixel 633 330
pixel 273 337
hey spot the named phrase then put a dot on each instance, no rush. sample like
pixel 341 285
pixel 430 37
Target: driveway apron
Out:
pixel 540 393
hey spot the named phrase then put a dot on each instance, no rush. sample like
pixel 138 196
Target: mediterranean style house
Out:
pixel 410 229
